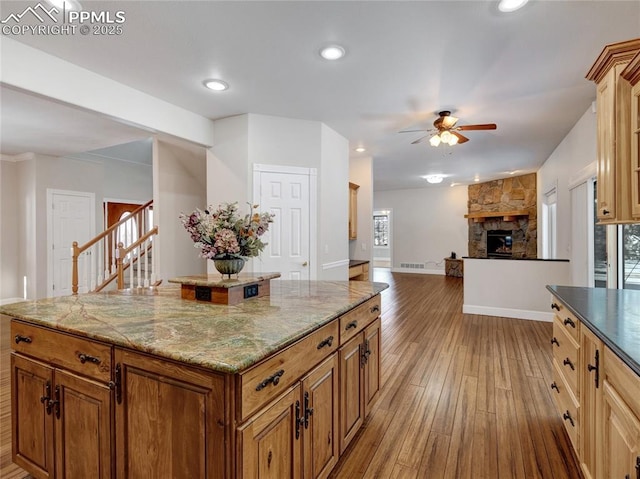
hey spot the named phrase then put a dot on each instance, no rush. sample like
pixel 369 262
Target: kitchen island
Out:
pixel 152 385
pixel 596 372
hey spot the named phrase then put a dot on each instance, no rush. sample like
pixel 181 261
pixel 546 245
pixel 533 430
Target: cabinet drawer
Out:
pixel 565 354
pixel 358 318
pixel 566 319
pixel 81 355
pixel 567 405
pixel 271 377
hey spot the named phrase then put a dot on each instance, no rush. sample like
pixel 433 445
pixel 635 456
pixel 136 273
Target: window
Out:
pixel 381 230
pixel 629 262
pixel 599 246
pixel 549 240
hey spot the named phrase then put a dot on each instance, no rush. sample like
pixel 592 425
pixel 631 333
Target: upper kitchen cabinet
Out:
pixel 353 211
pixel 632 74
pixel 614 132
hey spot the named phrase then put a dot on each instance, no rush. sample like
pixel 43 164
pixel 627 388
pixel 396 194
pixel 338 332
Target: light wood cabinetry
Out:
pixel 82 408
pixel 353 211
pixel 613 101
pixel 591 349
pixel 632 74
pixel 61 420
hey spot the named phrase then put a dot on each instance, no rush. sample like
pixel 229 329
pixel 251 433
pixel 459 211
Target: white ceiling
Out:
pixel 405 61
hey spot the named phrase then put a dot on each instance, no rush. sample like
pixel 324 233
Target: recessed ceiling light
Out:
pixel 332 52
pixel 511 5
pixel 361 149
pixel 434 179
pixel 476 179
pixel 216 85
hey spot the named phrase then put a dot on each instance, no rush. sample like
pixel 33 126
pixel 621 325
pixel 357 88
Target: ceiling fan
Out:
pixel 447 131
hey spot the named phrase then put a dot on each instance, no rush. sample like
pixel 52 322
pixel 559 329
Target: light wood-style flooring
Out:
pixel 463 396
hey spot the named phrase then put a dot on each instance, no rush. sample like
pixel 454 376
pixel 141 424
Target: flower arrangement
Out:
pixel 224 234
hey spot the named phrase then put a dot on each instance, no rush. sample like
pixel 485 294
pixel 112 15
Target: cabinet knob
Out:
pixel 555 306
pixel 569 322
pixel 567 362
pixel 605 212
pixel 555 341
pixel 352 324
pixel 567 417
pixel 555 386
pixel 325 342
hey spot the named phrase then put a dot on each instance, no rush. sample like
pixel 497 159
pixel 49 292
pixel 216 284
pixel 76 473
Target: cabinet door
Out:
pixel 606 166
pixel 621 436
pixel 590 402
pixel 271 441
pixel 31 417
pixel 169 420
pixel 351 390
pixel 320 418
pixel 635 151
pixel 82 427
pixel 372 340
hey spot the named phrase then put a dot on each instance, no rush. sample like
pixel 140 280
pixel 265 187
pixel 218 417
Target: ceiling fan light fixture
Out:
pixel 453 140
pixel 435 140
pixel 445 136
pixel 332 52
pixel 508 6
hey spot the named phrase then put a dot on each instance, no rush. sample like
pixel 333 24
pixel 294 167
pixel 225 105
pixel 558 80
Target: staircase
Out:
pixel 121 256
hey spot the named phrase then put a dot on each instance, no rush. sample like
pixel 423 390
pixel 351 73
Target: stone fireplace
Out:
pixel 503 218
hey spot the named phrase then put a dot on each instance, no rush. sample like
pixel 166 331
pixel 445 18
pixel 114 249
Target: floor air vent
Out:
pixel 412 265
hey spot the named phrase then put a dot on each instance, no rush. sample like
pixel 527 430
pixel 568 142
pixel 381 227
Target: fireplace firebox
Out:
pixel 499 243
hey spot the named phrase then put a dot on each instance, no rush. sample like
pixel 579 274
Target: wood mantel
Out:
pixel 481 216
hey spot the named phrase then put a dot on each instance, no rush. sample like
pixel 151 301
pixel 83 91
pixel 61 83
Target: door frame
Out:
pixel 312 173
pixel 50 194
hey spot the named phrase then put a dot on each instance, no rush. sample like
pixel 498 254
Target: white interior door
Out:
pixel 71 218
pixel 287 195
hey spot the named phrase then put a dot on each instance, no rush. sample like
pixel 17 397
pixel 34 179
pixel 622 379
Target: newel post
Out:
pixel 119 257
pixel 75 252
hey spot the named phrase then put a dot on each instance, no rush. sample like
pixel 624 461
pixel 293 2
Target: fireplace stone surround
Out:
pixel 508 196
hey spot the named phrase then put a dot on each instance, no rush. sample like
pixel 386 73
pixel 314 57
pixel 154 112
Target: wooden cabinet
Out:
pixel 613 101
pixel 632 74
pixel 296 435
pixel 169 419
pixel 591 349
pixel 353 211
pixel 61 420
pixel 359 380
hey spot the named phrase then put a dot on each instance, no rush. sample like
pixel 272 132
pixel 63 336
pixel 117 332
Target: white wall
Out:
pixel 511 288
pixel 571 164
pixel 360 173
pixel 128 181
pixel 10 282
pixel 245 140
pixel 179 187
pixel 428 224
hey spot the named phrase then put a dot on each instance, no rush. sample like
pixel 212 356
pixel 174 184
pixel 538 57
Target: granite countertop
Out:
pixel 219 281
pixel 218 337
pixel 612 314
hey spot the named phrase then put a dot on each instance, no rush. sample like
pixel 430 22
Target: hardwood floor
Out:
pixel 463 395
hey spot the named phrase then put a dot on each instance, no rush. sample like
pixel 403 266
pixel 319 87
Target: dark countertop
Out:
pixel 357 262
pixel 612 314
pixel 521 259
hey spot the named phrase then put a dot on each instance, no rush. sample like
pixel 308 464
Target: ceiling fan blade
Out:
pixel 461 138
pixel 415 142
pixel 449 121
pixel 486 126
pixel 412 131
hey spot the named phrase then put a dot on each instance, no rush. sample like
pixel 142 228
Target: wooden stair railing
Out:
pixel 95 263
pixel 136 252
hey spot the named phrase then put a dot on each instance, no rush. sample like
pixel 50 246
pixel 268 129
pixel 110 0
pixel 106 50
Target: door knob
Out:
pixel 305 263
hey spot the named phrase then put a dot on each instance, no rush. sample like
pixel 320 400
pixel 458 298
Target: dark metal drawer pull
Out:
pixel 46 399
pixel 555 306
pixel 24 339
pixel 567 362
pixel 555 341
pixel 596 368
pixel 567 417
pixel 325 342
pixel 352 324
pixel 570 322
pixel 375 309
pixel 273 379
pixel 555 386
pixel 86 358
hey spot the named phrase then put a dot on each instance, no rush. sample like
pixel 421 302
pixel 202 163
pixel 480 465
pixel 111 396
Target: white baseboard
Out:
pixel 418 271
pixel 508 312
